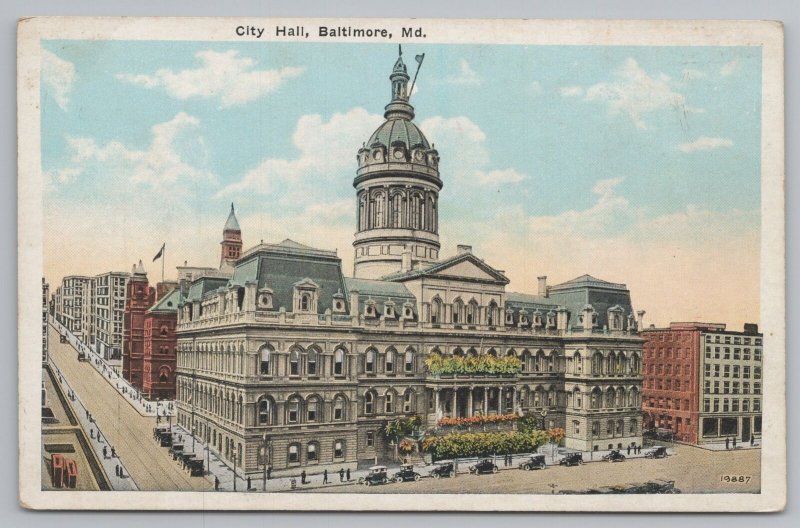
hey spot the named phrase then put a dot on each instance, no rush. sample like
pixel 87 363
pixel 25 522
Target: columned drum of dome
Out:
pixel 397 189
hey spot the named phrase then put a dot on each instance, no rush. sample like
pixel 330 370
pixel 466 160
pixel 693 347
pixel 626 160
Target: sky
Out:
pixel 638 165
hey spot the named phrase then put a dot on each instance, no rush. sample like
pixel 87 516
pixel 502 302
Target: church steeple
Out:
pixel 231 240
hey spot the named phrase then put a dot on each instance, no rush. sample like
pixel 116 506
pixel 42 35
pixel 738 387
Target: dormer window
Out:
pixel 265 299
pixel 388 310
pixel 369 309
pixel 551 320
pixel 305 302
pixel 509 316
pixel 408 313
pixel 306 296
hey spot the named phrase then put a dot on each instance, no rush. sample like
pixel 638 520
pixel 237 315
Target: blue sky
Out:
pixel 636 164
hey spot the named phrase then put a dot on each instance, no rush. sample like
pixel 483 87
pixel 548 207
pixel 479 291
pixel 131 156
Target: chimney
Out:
pixel 463 248
pixel 640 320
pixel 542 286
pixel 354 303
pixel 405 263
pixel 750 328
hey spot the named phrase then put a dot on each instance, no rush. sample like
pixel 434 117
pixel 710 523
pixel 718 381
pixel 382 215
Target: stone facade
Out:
pixel 289 363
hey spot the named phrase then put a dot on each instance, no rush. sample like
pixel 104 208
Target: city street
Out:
pixel 690 468
pixel 129 432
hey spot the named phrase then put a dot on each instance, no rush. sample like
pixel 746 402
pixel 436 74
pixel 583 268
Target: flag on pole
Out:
pixel 420 58
pixel 160 252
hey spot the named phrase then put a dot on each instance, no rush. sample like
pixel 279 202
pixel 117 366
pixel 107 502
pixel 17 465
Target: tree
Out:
pixel 529 422
pixel 398 428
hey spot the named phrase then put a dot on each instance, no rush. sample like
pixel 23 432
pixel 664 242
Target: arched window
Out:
pixel 577 401
pixel 305 302
pixel 458 311
pixel 313 408
pixel 492 314
pixel 436 310
pixel 362 213
pixel 390 356
pixel 293 410
pixel 163 374
pixel 610 397
pixel 339 408
pixel 369 402
pixel 338 362
pixel 312 452
pixel 472 312
pixel 294 363
pixel 397 210
pixel 311 362
pixel 408 401
pixel 408 364
pixel 293 455
pixel 369 361
pixel 389 402
pixel 265 412
pixel 266 355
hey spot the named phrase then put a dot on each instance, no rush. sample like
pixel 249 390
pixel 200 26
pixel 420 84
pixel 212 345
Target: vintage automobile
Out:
pixel 534 462
pixel 485 465
pixel 614 456
pixel 176 450
pixel 444 468
pixel 376 475
pixel 406 473
pixel 657 452
pixel 571 459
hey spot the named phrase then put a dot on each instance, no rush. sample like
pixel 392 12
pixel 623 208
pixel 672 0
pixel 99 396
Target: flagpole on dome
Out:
pixel 419 59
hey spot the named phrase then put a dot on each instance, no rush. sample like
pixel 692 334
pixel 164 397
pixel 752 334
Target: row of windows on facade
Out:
pixel 730 387
pixel 667 403
pixel 738 353
pixel 613 428
pixel 611 398
pixel 737 340
pixel 736 369
pixel 731 405
pixel 397 210
pixel 312 452
pixel 668 369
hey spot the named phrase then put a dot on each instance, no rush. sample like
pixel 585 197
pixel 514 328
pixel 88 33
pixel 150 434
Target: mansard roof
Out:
pixel 588 281
pixel 169 302
pixel 380 292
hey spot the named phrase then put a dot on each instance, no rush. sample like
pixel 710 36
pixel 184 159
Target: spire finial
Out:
pixel 231 206
pixel 400 49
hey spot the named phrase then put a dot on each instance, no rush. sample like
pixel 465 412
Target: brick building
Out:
pixel 702 382
pixel 140 297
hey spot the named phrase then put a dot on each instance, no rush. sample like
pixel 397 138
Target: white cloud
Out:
pixel 164 166
pixel 635 93
pixel 325 147
pixel 467 159
pixel 706 143
pixel 58 75
pixel 571 91
pixel 226 76
pixel 465 75
pixel 729 67
pixel 690 74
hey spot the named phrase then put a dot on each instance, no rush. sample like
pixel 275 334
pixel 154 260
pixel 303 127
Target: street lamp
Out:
pixel 194 429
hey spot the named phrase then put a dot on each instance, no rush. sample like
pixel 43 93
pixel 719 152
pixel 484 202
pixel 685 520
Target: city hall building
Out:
pixel 288 362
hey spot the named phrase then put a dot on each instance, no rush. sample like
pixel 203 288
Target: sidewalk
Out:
pixel 97 439
pixel 132 396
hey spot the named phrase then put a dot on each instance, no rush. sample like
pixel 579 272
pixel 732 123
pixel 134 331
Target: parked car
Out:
pixel 657 452
pixel 406 473
pixel 486 465
pixel 376 475
pixel 614 456
pixel 571 459
pixel 534 462
pixel 444 468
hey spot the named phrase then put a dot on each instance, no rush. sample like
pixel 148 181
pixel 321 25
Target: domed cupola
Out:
pixel 397 184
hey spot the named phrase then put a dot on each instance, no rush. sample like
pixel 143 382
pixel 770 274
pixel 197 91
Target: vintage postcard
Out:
pixel 364 264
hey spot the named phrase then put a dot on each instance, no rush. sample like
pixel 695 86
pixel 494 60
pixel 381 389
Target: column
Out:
pixel 470 410
pixel 514 399
pixel 485 401
pixel 455 403
pixel 500 400
pixel 436 402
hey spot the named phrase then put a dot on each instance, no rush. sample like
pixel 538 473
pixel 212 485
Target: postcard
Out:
pixel 401 264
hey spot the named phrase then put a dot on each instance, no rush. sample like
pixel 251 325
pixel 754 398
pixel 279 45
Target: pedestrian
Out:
pixel 248 484
pixel 105 452
pixel 113 453
pixel 727 443
pixel 216 483
pixel 629 450
pixel 341 475
pixel 269 472
pixel 91 433
pixel 752 441
pixel 303 477
pixel 116 470
pixel 734 442
pixel 348 475
pixel 325 477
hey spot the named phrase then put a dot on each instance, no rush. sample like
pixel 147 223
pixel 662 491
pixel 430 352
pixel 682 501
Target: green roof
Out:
pixel 169 302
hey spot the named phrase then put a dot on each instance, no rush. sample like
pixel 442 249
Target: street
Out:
pixel 694 470
pixel 124 428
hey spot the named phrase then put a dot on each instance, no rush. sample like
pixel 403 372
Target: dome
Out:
pixel 398 130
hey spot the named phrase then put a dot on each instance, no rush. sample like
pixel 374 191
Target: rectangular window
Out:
pixel 312 411
pixel 746 372
pixel 707 370
pixel 370 438
pixel 708 352
pixel 745 388
pixel 716 387
pixel 756 372
pixel 746 354
pixel 745 405
pixel 727 371
pixel 737 353
pixel 725 405
pixel 338 449
pixel 757 405
pixel 726 387
pixel 706 405
pixel 716 371
pixel 734 405
pixel 716 351
pixel 735 387
pixel 736 371
pixel 716 404
pixel 756 388
pixel 727 354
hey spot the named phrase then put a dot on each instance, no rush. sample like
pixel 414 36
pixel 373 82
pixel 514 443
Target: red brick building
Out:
pixel 670 391
pixel 138 299
pixel 159 361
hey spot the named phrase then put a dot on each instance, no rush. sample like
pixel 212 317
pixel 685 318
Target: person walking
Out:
pixel 727 443
pixel 248 484
pixel 116 470
pixel 105 452
pixel 269 472
pixel 303 477
pixel 629 450
pixel 734 442
pixel 216 483
pixel 91 433
pixel 325 477
pixel 752 440
pixel 341 475
pixel 347 475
